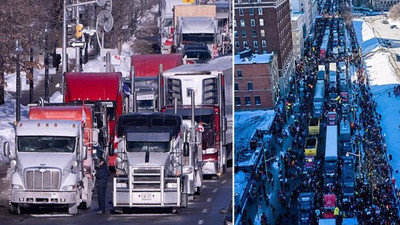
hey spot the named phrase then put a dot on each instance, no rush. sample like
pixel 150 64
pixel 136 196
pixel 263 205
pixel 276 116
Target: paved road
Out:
pixel 204 209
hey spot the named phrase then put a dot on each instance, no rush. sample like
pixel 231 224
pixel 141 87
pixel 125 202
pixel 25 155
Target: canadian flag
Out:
pixel 83 113
pixel 115 141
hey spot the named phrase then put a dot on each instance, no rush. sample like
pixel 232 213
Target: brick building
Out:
pixel 256 81
pixel 382 4
pixel 265 26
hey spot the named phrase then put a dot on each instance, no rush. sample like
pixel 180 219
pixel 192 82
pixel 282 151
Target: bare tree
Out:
pixel 23 20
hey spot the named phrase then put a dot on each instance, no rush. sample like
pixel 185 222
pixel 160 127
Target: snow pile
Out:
pixel 7 119
pixel 365 36
pixel 394 22
pixel 247 122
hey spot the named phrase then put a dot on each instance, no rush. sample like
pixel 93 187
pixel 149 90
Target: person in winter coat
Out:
pixel 102 175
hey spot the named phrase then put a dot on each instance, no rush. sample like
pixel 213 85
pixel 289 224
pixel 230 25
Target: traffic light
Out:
pixel 79 30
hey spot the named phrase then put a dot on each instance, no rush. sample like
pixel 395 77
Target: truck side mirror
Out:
pixel 6 149
pixel 95 138
pixel 186 149
pixel 84 152
pixel 111 150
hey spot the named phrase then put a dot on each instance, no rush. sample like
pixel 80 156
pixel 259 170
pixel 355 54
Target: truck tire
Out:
pixel 15 209
pixel 73 209
pixel 197 191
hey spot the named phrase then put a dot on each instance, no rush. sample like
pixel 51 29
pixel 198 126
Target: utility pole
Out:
pixel 18 50
pixel 46 65
pixel 31 80
pixel 64 45
pixel 78 50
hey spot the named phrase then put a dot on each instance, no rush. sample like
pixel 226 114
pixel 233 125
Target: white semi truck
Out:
pixel 152 154
pixel 212 87
pixel 48 165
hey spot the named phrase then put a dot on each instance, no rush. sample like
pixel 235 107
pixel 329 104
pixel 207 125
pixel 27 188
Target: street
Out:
pixel 204 209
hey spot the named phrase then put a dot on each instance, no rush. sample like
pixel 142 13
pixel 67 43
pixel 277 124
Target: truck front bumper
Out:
pixel 44 197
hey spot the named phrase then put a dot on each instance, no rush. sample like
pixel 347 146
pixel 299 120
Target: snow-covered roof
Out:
pixel 246 124
pixel 254 59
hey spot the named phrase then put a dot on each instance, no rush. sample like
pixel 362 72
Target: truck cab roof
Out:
pixel 67 128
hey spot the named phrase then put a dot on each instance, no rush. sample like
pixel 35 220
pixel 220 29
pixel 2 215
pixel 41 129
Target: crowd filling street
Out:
pixel 296 186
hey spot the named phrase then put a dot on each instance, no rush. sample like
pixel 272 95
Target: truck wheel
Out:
pixel 176 210
pixel 73 210
pixel 15 209
pixel 197 191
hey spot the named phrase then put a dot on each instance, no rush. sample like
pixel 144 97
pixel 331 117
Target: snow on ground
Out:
pixel 38 75
pixel 365 36
pixel 394 22
pixel 241 182
pixel 247 122
pixel 7 118
pixel 382 79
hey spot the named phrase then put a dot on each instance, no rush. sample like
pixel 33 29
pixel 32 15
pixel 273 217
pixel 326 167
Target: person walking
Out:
pixel 102 175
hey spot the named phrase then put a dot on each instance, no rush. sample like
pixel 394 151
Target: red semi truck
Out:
pixel 145 70
pixel 103 91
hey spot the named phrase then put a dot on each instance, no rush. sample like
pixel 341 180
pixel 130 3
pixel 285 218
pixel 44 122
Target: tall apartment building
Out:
pixel 265 26
pixel 382 4
pixel 256 81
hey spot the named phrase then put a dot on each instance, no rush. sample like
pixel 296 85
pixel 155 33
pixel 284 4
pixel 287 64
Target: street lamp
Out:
pixel 359 160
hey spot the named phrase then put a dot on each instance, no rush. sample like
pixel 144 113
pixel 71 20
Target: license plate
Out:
pixel 146 196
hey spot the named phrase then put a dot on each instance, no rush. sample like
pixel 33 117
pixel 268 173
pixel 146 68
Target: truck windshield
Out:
pixel 141 146
pixel 46 144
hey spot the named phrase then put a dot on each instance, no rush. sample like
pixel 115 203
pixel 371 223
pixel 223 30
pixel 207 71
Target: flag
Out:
pixel 83 113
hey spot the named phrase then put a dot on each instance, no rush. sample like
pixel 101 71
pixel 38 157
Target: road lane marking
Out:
pixel 50 215
pixel 215 190
pixel 223 182
pixel 204 211
pixel 209 199
pixel 200 222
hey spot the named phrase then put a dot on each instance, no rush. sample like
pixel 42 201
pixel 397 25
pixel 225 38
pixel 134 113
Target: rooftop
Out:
pixel 253 59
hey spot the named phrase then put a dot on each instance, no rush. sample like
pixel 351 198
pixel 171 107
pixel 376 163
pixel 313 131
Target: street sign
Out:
pixel 78 44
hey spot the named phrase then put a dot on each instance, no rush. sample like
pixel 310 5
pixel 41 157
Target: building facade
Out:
pixel 378 5
pixel 298 35
pixel 256 81
pixel 265 26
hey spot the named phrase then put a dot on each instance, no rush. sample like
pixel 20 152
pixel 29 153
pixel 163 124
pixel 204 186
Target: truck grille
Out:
pixel 42 179
pixel 146 178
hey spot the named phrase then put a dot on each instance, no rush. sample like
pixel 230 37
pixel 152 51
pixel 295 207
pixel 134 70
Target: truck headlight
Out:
pixel 69 188
pixel 17 186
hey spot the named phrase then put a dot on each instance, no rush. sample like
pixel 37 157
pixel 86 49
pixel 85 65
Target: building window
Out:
pixel 241 12
pixel 255 43
pixel 260 11
pixel 251 12
pixel 257 100
pixel 236 34
pixel 262 33
pixel 264 43
pixel 237 101
pixel 234 23
pixel 250 86
pixel 237 44
pixel 253 22
pixel 245 44
pixel 242 23
pixel 244 33
pixel 261 22
pixel 247 101
pixel 254 33
pixel 236 87
pixel 239 74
